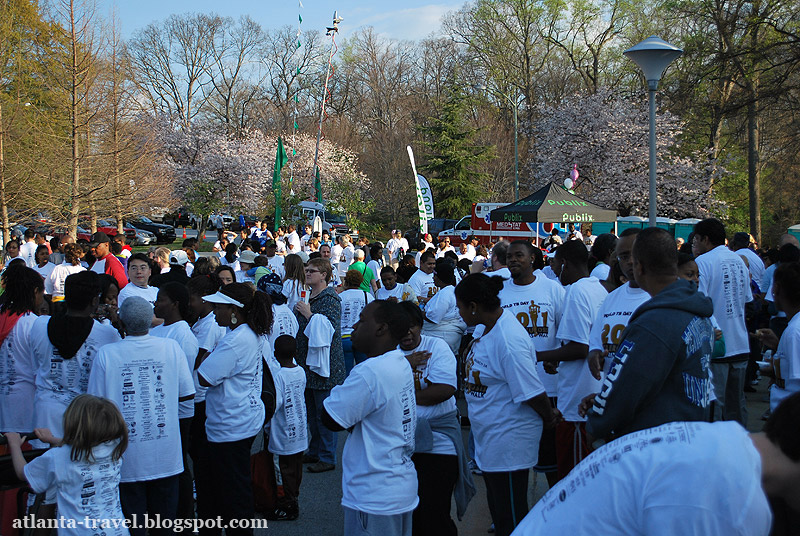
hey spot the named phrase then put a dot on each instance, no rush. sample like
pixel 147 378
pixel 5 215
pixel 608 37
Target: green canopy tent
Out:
pixel 552 204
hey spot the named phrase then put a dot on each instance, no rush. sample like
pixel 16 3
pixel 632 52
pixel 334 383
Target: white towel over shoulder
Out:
pixel 320 334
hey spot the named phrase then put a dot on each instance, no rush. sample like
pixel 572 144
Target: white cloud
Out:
pixel 411 23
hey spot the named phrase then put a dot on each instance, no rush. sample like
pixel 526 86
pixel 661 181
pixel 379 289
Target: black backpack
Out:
pixel 268 392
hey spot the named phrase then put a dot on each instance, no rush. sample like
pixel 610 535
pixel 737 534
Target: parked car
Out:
pixel 219 221
pixel 110 228
pixel 163 234
pixel 146 238
pixel 181 218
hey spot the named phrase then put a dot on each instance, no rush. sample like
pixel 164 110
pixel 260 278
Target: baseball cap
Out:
pixel 178 257
pixel 98 238
pixel 247 256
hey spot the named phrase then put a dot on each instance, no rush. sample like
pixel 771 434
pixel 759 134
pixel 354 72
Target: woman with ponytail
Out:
pixel 24 292
pixel 234 411
pixel 508 406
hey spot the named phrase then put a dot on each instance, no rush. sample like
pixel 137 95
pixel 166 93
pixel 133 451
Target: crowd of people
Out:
pixel 614 365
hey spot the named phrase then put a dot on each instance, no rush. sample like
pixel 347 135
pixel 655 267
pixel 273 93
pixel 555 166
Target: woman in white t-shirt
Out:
pixel 353 302
pixel 54 284
pixel 441 313
pixel 24 293
pixel 234 411
pixel 376 262
pixel 507 403
pixel 172 304
pixel 208 334
pixel 294 282
pixel 439 456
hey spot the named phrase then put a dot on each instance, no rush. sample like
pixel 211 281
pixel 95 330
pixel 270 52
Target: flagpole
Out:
pixel 332 31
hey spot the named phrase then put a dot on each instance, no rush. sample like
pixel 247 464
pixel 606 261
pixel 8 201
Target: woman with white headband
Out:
pixel 234 411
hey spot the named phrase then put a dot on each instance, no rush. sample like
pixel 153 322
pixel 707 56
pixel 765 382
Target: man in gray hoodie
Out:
pixel 660 368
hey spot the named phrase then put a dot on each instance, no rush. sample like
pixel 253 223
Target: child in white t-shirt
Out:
pixel 288 436
pixel 84 468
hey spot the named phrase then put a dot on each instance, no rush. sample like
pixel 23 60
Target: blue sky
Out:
pixel 410 19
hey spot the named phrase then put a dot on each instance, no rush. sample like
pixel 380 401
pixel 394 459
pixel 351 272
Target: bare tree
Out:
pixel 171 62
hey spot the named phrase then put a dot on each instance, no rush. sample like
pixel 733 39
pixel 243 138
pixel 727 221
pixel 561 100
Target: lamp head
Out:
pixel 653 56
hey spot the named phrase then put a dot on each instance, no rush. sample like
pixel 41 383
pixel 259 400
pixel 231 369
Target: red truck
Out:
pixel 479 224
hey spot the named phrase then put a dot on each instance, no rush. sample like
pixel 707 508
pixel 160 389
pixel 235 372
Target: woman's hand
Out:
pixel 418 358
pixel 44 434
pixel 304 309
pixel 14 440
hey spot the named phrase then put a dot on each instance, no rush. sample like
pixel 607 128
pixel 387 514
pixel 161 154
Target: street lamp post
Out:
pixel 653 56
pixel 515 105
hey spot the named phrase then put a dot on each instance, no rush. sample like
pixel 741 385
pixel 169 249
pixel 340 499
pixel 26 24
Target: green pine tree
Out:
pixel 453 161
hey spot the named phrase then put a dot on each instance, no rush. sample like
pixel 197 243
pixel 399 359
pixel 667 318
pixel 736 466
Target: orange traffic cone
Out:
pixel 184 232
pixel 204 236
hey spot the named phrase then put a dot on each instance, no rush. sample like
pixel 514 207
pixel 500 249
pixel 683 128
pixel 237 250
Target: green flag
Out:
pixel 318 187
pixel 280 161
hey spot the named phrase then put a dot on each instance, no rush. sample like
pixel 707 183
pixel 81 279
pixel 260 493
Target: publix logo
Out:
pixel 567 202
pixel 577 218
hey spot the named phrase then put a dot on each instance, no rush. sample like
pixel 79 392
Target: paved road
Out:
pixel 320 494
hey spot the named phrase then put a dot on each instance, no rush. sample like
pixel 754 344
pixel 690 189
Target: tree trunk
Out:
pixel 753 167
pixel 3 203
pixel 74 208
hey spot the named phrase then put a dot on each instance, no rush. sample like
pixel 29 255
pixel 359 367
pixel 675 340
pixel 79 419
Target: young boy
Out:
pixel 288 428
pixel 391 290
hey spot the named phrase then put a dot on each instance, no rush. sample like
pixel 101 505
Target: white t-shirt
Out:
pixel 613 318
pixel 755 265
pixel 377 401
pixel 145 376
pixel 181 333
pixel 17 371
pixel 788 355
pixel 353 302
pixel 280 246
pixel 724 278
pixel 275 264
pixel 45 270
pixel 208 333
pixel 59 380
pixel 396 292
pixel 442 307
pixel 440 252
pixel 288 432
pixel 83 489
pixel 440 368
pixel 423 284
pixel 425 246
pixel 27 251
pixel 538 308
pixel 503 272
pixel 291 289
pixel 284 322
pixel 601 271
pixel 148 293
pixel 234 409
pixel 293 242
pixel 501 376
pixel 575 381
pixel 375 266
pixel 344 260
pixel 549 273
pixel 54 284
pixel 687 478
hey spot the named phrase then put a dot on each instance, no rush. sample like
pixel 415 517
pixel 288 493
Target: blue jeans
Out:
pixel 351 357
pixel 323 441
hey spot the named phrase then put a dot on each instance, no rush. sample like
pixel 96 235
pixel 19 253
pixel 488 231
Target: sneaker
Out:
pixel 321 467
pixel 284 515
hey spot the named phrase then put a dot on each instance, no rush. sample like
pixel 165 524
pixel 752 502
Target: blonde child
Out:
pixel 84 468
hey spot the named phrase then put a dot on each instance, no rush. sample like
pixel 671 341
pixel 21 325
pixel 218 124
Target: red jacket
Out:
pixel 112 267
